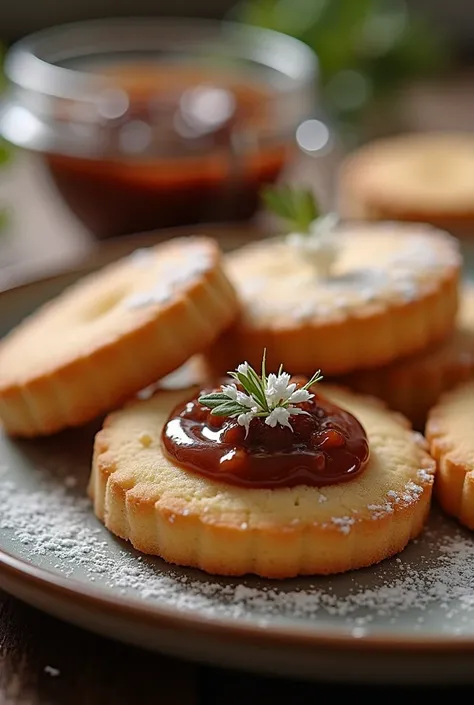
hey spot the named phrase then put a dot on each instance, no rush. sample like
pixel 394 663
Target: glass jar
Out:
pixel 147 123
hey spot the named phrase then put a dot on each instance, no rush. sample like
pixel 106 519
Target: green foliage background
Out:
pixel 367 49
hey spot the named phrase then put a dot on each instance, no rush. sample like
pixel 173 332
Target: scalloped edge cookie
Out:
pixel 191 520
pixel 391 178
pixel 385 313
pixel 413 385
pixel 449 434
pixel 132 323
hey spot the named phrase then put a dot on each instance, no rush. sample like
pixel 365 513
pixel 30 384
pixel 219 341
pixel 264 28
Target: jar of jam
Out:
pixel 147 123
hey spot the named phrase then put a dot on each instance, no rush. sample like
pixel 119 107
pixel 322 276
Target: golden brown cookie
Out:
pixel 449 433
pixel 393 291
pixel 111 334
pixel 193 520
pixel 425 177
pixel 413 385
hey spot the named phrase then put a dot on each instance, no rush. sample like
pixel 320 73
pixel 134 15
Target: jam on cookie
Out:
pixel 262 474
pixel 290 436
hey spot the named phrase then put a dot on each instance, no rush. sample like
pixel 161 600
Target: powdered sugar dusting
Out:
pixel 50 523
pixel 343 523
pixel 287 285
pixel 193 263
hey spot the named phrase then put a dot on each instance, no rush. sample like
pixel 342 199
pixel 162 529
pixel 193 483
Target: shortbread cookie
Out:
pixel 449 433
pixel 111 334
pixel 191 519
pixel 415 177
pixel 413 385
pixel 393 291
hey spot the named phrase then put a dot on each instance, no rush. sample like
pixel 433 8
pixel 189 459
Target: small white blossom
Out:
pixel 271 398
pixel 279 415
pixel 245 400
pixel 295 410
pixel 278 389
pixel 245 419
pixel 230 391
pixel 299 396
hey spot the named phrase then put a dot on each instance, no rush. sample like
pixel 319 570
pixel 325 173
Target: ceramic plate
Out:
pixel 409 619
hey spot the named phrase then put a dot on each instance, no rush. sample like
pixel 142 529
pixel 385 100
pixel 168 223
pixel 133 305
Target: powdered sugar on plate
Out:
pixel 46 519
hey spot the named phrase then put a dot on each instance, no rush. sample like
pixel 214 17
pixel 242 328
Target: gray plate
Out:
pixel 409 619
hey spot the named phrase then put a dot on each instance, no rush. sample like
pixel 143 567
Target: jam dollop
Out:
pixel 326 445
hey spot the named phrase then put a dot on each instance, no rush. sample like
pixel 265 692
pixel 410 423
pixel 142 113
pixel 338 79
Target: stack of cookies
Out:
pixel 263 472
pixel 427 178
pixel 386 322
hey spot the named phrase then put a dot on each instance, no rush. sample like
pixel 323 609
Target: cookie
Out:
pixel 191 519
pixel 111 334
pixel 449 433
pixel 414 384
pixel 393 292
pixel 425 177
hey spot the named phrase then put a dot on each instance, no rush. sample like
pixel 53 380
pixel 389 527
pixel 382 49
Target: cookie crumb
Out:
pixel 145 439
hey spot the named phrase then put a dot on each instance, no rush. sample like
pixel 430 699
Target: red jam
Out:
pixel 327 445
pixel 125 193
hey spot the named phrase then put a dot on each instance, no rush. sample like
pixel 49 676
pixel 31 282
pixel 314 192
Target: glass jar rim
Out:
pixel 52 106
pixel 31 62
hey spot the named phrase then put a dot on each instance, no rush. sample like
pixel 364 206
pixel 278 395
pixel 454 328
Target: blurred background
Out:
pixel 371 68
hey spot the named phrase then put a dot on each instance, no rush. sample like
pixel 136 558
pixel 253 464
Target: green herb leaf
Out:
pixel 264 372
pixel 211 400
pixel 229 408
pixel 297 206
pixel 317 377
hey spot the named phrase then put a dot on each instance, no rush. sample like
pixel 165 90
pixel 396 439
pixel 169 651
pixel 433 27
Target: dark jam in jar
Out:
pixel 174 180
pixel 327 445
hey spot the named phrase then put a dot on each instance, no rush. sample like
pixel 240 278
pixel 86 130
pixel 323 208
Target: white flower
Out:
pixel 279 415
pixel 299 396
pixel 274 398
pixel 245 419
pixel 243 368
pixel 230 391
pixel 246 400
pixel 278 389
pixel 295 410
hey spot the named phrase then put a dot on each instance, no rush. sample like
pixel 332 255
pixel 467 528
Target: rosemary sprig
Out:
pixel 311 235
pixel 272 397
pixel 297 206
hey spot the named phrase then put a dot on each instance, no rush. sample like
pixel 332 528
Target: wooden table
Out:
pixel 46 662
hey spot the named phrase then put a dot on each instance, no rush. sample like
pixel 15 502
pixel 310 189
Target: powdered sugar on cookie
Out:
pixel 194 263
pixel 378 264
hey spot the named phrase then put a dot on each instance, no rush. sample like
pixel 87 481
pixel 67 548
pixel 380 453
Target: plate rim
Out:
pixel 46 582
